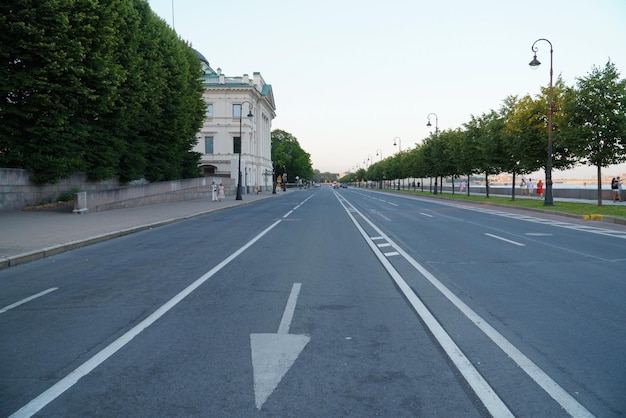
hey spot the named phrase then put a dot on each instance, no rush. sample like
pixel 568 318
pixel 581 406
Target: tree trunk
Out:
pixel 600 186
pixel 487 183
pixel 513 188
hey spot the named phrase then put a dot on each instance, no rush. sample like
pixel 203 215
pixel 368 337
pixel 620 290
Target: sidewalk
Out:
pixel 30 235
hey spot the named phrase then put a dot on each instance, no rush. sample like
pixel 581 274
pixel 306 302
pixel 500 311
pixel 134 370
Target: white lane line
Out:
pixel 392 254
pixel 81 371
pixel 376 238
pixel 474 379
pixel 287 214
pixel 393 204
pixel 426 214
pixel 552 388
pixel 506 240
pixel 285 322
pixel 28 299
pixel 385 244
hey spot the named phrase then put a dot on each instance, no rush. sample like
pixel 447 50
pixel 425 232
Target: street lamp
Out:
pixel 548 200
pixel 266 174
pixel 436 138
pixel 399 156
pixel 379 153
pixel 241 145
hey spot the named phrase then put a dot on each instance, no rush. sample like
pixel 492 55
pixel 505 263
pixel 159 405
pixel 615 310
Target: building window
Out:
pixel 236 145
pixel 236 110
pixel 209 111
pixel 208 145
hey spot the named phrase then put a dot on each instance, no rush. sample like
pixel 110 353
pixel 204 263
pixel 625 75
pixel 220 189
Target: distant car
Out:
pixel 344 186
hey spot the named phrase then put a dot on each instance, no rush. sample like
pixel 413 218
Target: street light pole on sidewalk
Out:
pixel 548 201
pixel 241 145
pixel 436 144
pixel 399 144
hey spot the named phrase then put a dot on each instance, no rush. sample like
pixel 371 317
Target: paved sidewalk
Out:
pixel 30 235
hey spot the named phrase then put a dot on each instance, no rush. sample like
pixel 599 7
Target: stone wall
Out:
pixel 146 194
pixel 17 191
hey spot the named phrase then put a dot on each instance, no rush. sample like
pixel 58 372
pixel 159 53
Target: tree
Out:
pixel 42 87
pixel 104 87
pixel 288 157
pixel 521 137
pixel 485 132
pixel 597 117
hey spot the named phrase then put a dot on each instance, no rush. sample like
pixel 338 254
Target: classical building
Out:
pixel 239 114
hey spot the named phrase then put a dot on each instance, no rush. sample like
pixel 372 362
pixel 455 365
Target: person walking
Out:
pixel 214 192
pixel 615 189
pixel 220 192
pixel 531 187
pixel 523 186
pixel 540 189
pixel 619 189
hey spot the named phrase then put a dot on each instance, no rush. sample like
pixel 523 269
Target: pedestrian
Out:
pixel 540 188
pixel 220 192
pixel 523 186
pixel 615 189
pixel 619 189
pixel 214 192
pixel 531 187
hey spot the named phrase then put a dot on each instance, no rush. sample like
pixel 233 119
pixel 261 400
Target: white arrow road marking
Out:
pixel 505 240
pixel 274 354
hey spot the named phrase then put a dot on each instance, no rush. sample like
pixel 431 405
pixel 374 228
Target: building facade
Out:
pixel 237 129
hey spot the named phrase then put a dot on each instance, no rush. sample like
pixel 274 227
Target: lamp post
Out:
pixel 241 145
pixel 548 200
pixel 436 138
pixel 379 153
pixel 266 174
pixel 399 156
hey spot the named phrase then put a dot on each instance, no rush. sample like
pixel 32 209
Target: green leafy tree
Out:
pixel 103 86
pixel 485 132
pixel 597 117
pixel 288 157
pixel 42 88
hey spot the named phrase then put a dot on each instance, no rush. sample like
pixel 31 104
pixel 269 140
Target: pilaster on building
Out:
pixel 229 100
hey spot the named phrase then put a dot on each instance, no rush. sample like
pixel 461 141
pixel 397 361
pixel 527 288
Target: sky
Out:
pixel 350 76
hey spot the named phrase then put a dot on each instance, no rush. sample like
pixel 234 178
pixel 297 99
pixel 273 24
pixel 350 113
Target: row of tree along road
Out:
pixel 589 128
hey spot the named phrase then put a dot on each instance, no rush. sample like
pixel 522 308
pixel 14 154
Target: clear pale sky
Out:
pixel 349 76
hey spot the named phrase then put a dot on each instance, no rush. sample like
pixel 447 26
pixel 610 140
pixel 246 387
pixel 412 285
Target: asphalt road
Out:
pixel 324 303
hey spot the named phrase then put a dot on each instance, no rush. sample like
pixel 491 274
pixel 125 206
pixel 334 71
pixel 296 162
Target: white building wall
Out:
pixel 222 93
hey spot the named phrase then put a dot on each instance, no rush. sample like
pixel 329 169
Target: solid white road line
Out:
pixel 567 401
pixel 28 299
pixel 285 322
pixel 474 379
pixel 68 381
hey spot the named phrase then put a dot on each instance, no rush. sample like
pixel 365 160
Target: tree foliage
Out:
pixel 288 157
pixel 589 125
pixel 104 87
pixel 597 118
